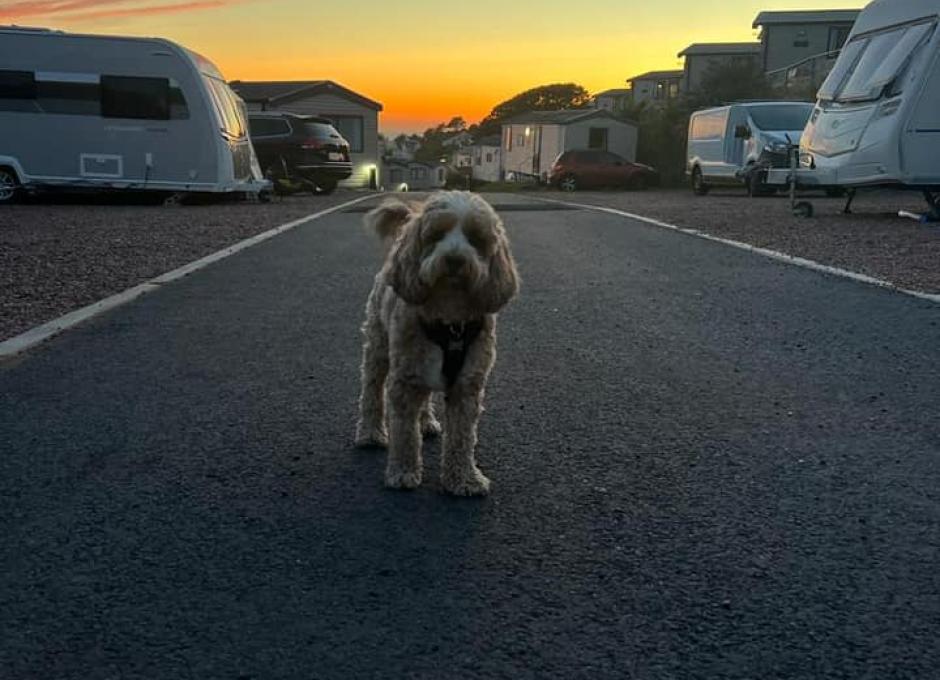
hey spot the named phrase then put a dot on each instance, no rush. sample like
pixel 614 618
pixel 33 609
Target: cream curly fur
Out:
pixel 448 260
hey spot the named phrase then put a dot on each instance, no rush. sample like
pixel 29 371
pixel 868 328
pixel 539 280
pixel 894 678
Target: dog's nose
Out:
pixel 453 262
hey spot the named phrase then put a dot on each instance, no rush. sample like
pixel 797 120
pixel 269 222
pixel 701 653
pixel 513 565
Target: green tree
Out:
pixel 543 98
pixel 732 82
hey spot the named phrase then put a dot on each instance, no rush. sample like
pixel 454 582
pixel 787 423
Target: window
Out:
pixel 229 108
pixel 489 157
pixel 597 138
pixel 838 35
pixel 520 140
pixel 351 128
pixel 673 90
pixel 419 173
pixel 869 64
pixel 268 127
pixel 478 158
pixel 17 85
pixel 781 118
pixel 709 126
pixel 137 98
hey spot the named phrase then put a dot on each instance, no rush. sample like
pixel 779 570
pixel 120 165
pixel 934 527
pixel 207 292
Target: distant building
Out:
pixel 656 87
pixel 701 57
pixel 532 141
pixel 485 154
pixel 355 116
pixel 613 100
pixel 413 175
pixel 788 38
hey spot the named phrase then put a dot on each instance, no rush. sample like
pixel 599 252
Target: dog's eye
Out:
pixel 476 240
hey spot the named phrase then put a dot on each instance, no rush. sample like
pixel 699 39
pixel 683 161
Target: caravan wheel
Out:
pixel 9 186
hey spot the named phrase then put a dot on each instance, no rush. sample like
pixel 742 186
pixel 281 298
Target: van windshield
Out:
pixel 780 118
pixel 870 63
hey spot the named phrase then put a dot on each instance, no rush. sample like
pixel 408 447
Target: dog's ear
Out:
pixel 502 283
pixel 405 265
pixel 388 219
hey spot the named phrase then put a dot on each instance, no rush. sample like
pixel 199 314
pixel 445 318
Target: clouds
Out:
pixel 20 11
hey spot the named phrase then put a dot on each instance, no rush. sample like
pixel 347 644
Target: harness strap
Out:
pixel 454 339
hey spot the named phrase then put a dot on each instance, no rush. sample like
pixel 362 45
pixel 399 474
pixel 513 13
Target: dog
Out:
pixel 430 328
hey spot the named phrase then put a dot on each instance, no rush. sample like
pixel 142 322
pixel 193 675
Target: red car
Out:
pixel 575 170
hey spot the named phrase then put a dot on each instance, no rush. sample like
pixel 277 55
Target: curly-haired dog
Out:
pixel 431 327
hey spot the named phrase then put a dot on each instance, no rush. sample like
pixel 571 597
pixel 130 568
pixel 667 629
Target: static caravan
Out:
pixel 103 112
pixel 877 119
pixel 737 144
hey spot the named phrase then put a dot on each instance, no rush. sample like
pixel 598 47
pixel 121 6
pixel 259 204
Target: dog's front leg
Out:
pixel 405 403
pixel 459 472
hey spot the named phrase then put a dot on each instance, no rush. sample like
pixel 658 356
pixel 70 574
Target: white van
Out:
pixel 103 112
pixel 877 121
pixel 737 144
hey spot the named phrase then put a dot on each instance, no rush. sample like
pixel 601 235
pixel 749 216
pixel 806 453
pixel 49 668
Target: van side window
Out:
pixel 268 127
pixel 136 98
pixel 709 126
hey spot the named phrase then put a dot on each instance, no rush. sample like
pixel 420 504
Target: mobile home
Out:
pixel 106 112
pixel 877 119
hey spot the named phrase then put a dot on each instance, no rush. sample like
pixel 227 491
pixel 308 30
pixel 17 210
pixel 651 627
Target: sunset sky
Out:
pixel 425 61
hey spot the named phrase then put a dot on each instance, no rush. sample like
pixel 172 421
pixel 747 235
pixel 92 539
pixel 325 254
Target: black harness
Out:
pixel 455 340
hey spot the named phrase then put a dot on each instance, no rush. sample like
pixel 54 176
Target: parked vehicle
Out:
pixel 588 169
pixel 738 144
pixel 107 112
pixel 877 119
pixel 308 148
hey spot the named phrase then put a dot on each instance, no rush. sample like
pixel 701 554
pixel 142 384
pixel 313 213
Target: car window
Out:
pixel 776 118
pixel 268 127
pixel 321 130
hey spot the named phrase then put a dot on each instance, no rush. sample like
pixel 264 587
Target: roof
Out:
pixel 657 75
pixel 616 92
pixel 491 140
pixel 563 117
pixel 283 91
pixel 698 49
pixel 829 16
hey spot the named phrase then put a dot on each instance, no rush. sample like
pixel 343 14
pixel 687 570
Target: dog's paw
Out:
pixel 431 427
pixel 402 479
pixel 471 482
pixel 371 439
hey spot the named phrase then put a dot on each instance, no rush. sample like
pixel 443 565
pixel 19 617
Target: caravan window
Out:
pixel 870 63
pixel 228 107
pixel 17 91
pixel 17 85
pixel 135 97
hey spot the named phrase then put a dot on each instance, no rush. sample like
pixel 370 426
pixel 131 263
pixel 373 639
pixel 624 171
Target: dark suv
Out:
pixel 300 148
pixel 586 169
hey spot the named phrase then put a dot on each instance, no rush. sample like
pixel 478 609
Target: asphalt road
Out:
pixel 705 464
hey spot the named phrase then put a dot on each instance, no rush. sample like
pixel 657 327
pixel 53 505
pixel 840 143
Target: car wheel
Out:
pixel 568 183
pixel 9 186
pixel 699 188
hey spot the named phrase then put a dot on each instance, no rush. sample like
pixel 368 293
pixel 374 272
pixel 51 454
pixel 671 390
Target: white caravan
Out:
pixel 103 112
pixel 737 144
pixel 877 119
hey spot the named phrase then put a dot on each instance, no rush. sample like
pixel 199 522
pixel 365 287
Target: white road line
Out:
pixel 765 252
pixel 39 334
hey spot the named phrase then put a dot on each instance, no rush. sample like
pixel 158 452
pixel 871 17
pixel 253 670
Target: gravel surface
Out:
pixel 873 240
pixel 57 258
